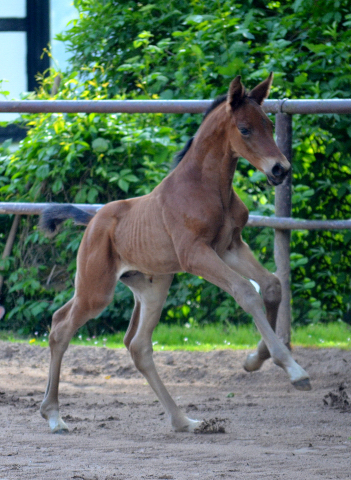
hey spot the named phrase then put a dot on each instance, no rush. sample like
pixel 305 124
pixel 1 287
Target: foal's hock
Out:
pixel 191 222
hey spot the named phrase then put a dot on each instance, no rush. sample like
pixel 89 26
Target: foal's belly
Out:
pixel 143 244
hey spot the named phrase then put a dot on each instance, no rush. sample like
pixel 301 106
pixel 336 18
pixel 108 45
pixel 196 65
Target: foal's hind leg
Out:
pixel 95 283
pixel 64 325
pixel 241 259
pixel 150 294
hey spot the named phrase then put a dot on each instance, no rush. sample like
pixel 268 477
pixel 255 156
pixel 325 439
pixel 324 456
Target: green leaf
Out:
pixel 123 185
pixel 92 195
pixel 42 172
pixel 191 19
pixel 301 79
pixel 57 186
pixel 315 48
pixel 100 145
pixel 131 178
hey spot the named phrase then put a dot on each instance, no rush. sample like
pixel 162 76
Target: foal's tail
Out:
pixel 51 217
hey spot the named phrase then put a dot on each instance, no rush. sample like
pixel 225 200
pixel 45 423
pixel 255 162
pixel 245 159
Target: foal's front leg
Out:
pixel 150 294
pixel 203 261
pixel 240 258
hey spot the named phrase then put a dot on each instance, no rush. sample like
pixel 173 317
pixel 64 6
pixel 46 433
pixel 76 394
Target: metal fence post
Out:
pixel 283 129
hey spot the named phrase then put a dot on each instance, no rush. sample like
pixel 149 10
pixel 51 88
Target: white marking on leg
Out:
pixel 56 424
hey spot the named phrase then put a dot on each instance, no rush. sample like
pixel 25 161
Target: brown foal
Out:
pixel 191 222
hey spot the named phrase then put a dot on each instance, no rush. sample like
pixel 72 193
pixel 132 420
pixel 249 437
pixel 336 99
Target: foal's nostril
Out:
pixel 278 170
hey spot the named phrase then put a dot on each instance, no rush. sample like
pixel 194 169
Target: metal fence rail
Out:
pixel 340 106
pixel 282 223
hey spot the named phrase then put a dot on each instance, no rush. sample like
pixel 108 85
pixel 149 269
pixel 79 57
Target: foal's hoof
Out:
pixel 252 362
pixel 188 425
pixel 60 431
pixel 303 384
pixel 58 426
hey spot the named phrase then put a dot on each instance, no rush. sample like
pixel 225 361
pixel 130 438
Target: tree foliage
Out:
pixel 184 49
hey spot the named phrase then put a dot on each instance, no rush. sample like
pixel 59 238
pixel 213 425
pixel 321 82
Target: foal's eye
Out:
pixel 244 131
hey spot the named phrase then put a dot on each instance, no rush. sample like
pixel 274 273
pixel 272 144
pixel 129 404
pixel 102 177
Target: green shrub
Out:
pixel 72 158
pixel 184 50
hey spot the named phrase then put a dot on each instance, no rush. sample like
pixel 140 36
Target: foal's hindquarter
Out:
pixel 191 222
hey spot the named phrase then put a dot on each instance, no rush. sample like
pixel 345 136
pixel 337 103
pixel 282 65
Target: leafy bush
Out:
pixel 193 49
pixel 72 158
pixel 184 50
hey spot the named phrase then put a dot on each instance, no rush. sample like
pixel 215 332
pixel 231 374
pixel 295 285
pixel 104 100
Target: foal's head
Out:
pixel 251 131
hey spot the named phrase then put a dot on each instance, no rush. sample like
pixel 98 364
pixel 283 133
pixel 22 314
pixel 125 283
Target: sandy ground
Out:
pixel 118 430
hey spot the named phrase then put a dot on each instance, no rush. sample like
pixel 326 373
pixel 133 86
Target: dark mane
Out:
pixel 180 155
pixel 217 101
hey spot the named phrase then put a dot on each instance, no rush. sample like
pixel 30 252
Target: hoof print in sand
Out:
pixel 214 425
pixel 339 400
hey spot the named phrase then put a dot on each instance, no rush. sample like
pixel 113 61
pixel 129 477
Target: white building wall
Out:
pixel 13 8
pixel 13 49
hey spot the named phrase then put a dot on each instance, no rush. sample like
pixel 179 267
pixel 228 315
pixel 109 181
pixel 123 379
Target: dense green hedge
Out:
pixel 184 50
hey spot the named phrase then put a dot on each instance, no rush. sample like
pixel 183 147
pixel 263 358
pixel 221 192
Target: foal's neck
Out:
pixel 211 153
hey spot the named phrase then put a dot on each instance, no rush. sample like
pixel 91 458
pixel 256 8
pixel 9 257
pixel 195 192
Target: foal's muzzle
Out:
pixel 277 175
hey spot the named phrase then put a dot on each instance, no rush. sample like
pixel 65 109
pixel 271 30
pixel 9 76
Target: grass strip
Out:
pixel 212 337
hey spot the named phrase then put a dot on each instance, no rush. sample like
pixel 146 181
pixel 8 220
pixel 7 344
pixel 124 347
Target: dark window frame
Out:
pixel 36 24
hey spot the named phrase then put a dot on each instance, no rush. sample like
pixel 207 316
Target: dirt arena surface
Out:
pixel 118 430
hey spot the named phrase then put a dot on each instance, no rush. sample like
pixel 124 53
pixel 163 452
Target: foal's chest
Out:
pixel 234 219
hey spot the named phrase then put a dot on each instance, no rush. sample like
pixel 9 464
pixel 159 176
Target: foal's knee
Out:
pixel 141 354
pixel 272 291
pixel 249 299
pixel 58 325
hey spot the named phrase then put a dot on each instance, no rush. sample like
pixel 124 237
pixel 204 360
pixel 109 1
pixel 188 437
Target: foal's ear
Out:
pixel 261 91
pixel 236 94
